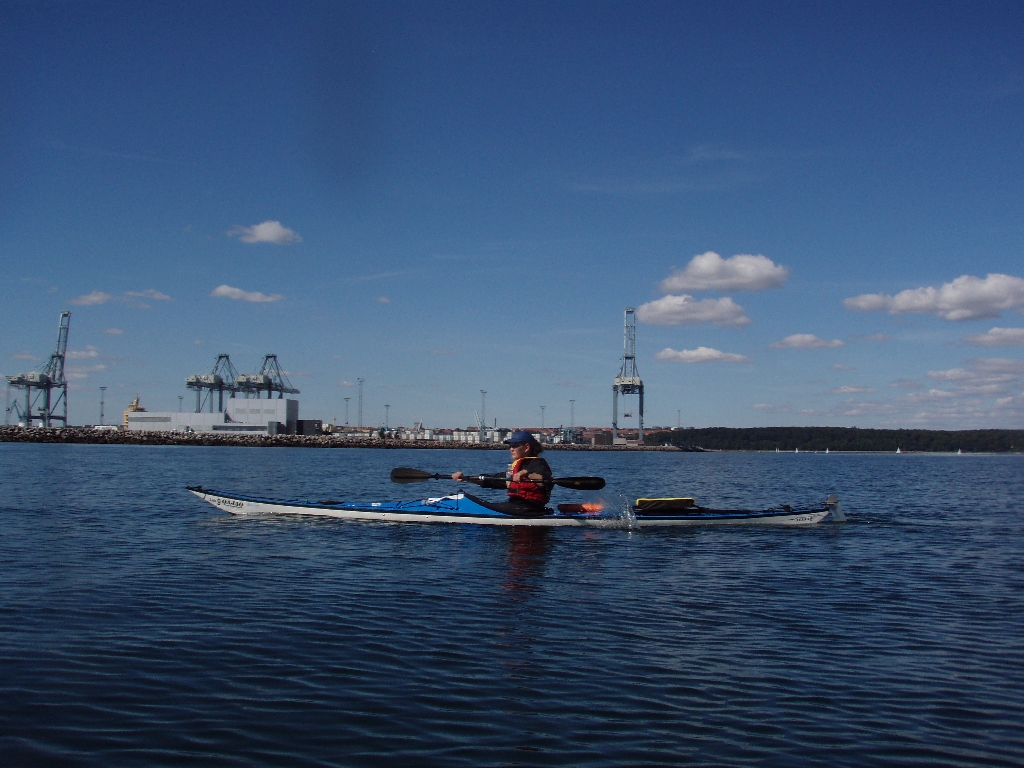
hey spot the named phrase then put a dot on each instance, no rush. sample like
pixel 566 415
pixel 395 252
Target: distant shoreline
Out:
pixel 1009 442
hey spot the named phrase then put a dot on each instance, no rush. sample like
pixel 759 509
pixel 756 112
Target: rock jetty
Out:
pixel 121 437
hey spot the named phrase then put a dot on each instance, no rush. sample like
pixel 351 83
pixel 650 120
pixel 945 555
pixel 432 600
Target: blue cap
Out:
pixel 520 436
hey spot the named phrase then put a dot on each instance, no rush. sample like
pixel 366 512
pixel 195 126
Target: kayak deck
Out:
pixel 466 508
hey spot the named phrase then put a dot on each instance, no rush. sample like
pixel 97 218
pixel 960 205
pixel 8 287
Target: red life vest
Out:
pixel 527 490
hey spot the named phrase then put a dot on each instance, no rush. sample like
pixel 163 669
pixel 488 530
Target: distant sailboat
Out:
pixel 796 450
pixel 826 450
pixel 897 450
pixel 958 451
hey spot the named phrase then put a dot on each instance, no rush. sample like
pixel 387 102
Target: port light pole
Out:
pixel 102 393
pixel 346 410
pixel 483 412
pixel 542 416
pixel 360 409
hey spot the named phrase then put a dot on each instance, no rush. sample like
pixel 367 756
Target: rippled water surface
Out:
pixel 141 626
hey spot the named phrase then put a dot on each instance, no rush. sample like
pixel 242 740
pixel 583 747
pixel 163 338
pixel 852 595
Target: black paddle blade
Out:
pixel 409 475
pixel 581 483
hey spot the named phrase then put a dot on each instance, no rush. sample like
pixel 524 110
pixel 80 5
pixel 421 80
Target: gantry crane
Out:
pixel 628 381
pixel 269 378
pixel 223 378
pixel 40 385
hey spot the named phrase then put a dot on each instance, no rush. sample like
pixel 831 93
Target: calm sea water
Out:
pixel 141 626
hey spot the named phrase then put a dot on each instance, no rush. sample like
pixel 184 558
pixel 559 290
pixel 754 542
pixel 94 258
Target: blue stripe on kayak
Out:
pixel 450 507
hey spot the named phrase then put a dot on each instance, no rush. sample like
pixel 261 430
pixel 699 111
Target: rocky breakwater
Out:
pixel 121 437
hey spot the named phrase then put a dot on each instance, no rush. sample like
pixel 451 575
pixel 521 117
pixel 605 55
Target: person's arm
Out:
pixel 536 471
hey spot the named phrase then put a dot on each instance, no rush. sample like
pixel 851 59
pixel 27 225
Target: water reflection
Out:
pixel 527 553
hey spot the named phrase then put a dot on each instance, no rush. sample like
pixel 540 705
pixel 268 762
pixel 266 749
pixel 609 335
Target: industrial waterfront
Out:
pixel 231 403
pixel 240 409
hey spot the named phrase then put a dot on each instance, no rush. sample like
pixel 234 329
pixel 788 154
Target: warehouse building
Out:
pixel 240 416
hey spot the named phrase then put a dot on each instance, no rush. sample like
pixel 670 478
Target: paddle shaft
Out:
pixel 408 475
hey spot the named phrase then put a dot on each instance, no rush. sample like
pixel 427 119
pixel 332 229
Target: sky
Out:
pixel 816 209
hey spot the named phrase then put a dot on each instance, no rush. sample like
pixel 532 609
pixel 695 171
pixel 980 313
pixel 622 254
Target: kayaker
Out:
pixel 528 479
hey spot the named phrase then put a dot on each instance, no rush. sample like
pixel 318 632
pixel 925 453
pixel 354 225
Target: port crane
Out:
pixel 269 378
pixel 223 378
pixel 39 387
pixel 628 381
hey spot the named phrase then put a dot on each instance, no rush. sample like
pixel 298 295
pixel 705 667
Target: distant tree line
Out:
pixel 842 439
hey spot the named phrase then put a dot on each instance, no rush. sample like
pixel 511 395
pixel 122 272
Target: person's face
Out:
pixel 519 450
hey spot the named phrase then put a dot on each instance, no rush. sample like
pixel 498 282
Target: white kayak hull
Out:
pixel 464 508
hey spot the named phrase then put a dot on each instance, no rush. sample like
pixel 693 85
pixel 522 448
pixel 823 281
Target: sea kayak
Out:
pixel 466 508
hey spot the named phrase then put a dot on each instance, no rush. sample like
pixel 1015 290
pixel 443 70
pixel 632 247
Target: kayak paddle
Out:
pixel 409 475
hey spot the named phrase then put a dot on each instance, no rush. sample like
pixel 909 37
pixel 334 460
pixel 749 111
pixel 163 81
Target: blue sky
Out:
pixel 816 208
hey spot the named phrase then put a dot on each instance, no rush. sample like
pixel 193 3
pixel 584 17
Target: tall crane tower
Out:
pixel 628 381
pixel 223 378
pixel 269 378
pixel 40 385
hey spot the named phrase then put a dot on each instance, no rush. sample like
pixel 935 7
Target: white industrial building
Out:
pixel 240 416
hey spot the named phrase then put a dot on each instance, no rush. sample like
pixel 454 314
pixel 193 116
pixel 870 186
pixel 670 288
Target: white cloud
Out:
pixel 930 396
pixel 81 372
pixel 876 337
pixel 997 337
pixel 953 374
pixel 852 408
pixel 113 331
pixel 90 299
pixel 710 272
pixel 383 299
pixel 149 293
pixel 227 292
pixel 966 298
pixel 996 364
pixel 344 383
pixel 700 355
pixel 23 355
pixel 675 310
pixel 854 389
pixel 132 298
pixel 906 384
pixel 267 232
pixel 771 408
pixel 805 341
pixel 983 393
pixel 85 354
pixel 1016 401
